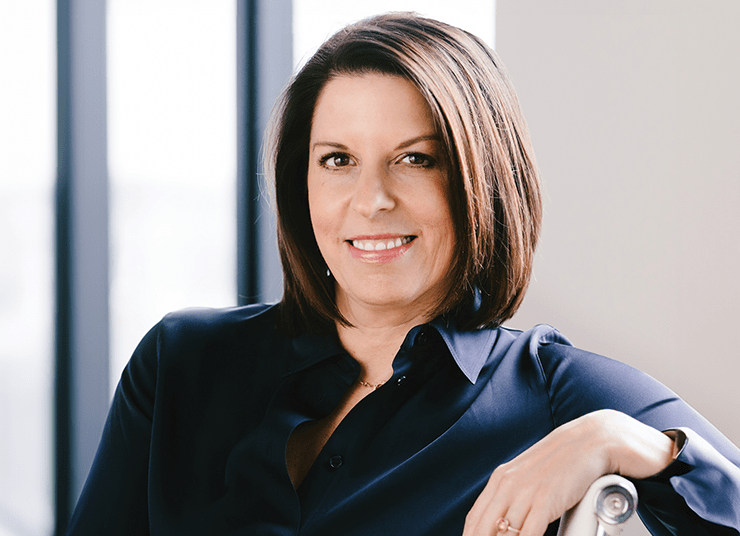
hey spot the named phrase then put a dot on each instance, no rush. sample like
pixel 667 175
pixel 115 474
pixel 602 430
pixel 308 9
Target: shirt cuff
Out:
pixel 707 481
pixel 679 439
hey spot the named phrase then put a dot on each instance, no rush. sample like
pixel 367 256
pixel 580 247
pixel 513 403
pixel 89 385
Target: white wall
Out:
pixel 633 108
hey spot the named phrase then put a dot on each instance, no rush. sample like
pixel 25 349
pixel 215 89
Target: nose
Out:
pixel 372 195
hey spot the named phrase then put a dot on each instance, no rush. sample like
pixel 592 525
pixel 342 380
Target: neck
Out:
pixel 375 338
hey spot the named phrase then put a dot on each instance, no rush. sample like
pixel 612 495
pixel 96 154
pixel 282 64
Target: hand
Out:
pixel 542 483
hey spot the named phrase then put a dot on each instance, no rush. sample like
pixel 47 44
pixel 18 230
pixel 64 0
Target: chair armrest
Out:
pixel 607 505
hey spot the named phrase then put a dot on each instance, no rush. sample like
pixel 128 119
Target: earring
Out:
pixel 328 272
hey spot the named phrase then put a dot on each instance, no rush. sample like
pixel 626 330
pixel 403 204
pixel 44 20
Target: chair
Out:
pixel 607 505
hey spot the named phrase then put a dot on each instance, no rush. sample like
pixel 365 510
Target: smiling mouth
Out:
pixel 381 245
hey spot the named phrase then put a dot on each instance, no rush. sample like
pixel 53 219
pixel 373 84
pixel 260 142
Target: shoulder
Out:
pixel 192 338
pixel 578 381
pixel 204 319
pixel 556 355
pixel 200 325
pixel 532 339
pixel 541 347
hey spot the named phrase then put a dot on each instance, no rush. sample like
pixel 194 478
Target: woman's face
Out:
pixel 378 195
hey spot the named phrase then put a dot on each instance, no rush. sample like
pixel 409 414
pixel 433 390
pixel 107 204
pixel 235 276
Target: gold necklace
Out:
pixel 370 385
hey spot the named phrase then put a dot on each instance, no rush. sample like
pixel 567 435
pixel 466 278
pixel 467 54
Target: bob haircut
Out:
pixel 494 185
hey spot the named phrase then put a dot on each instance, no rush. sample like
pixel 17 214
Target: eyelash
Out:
pixel 428 161
pixel 323 161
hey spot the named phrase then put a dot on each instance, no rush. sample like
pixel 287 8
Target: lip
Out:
pixel 379 256
pixel 387 236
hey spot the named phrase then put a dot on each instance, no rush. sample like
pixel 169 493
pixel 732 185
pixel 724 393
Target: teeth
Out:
pixel 371 245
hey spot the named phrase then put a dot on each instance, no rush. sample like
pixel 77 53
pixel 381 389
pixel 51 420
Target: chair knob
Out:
pixel 607 505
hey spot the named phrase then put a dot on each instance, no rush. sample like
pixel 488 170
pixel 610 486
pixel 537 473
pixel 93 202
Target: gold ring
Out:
pixel 503 526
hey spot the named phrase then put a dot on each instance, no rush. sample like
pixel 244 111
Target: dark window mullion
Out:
pixel 82 327
pixel 264 65
pixel 247 290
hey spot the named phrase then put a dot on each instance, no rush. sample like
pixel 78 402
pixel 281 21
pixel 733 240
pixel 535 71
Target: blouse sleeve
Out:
pixel 699 493
pixel 114 498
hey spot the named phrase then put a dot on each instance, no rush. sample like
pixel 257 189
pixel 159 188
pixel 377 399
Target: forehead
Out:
pixel 371 103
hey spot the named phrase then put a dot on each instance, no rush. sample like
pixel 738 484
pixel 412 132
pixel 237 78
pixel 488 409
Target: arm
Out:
pixel 699 493
pixel 538 486
pixel 114 499
pixel 702 484
pixel 692 495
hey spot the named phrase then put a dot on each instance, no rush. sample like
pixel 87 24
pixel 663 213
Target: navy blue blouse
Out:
pixel 195 440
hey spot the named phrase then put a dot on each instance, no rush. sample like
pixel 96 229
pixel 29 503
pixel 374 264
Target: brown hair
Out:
pixel 494 193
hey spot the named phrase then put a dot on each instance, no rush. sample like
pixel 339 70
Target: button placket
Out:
pixel 421 338
pixel 335 462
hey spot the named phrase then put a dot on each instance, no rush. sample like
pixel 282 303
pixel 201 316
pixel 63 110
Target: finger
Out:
pixel 475 521
pixel 511 509
pixel 506 522
pixel 534 525
pixel 481 505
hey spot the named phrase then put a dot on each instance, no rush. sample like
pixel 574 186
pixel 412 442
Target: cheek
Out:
pixel 445 234
pixel 435 209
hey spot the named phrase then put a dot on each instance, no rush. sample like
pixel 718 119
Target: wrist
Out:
pixel 635 449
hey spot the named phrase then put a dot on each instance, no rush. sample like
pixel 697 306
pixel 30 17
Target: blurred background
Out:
pixel 130 135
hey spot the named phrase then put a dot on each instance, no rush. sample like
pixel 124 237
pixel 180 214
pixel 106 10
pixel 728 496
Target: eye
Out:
pixel 418 160
pixel 335 160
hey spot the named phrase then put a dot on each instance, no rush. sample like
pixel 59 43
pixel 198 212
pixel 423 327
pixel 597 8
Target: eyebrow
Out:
pixel 402 145
pixel 330 144
pixel 424 137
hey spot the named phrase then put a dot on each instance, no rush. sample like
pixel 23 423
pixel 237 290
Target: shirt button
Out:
pixel 421 338
pixel 401 381
pixel 335 462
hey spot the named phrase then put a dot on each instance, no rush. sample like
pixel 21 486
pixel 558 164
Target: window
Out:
pixel 27 170
pixel 172 162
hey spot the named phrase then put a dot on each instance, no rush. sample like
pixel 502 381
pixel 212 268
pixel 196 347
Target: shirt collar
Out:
pixel 469 349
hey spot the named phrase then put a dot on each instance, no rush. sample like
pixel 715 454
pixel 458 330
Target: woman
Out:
pixel 381 394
